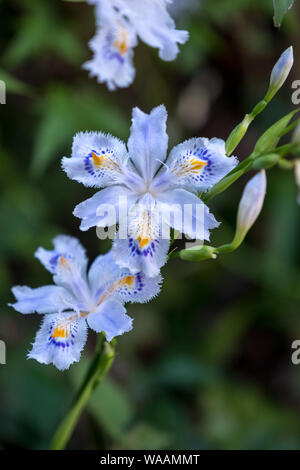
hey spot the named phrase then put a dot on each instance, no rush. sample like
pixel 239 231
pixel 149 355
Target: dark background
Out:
pixel 208 363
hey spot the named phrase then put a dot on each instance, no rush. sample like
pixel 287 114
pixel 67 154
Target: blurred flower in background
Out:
pixel 119 22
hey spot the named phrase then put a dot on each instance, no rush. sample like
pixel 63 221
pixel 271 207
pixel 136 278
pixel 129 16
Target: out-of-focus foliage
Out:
pixel 208 364
pixel 281 8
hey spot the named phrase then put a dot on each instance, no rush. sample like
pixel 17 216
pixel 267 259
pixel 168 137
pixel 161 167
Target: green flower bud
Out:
pixel 237 134
pixel 197 253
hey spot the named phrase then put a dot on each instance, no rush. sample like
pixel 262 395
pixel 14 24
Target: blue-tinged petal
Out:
pixel 149 259
pixel 185 212
pixel 104 208
pixel 108 280
pixel 67 253
pixel 97 159
pixel 148 141
pixel 197 164
pixel 102 274
pixel 46 299
pixel 113 46
pixel 110 318
pixel 60 340
pixel 108 11
pixel 67 262
pixel 155 26
pixel 143 247
pixel 136 287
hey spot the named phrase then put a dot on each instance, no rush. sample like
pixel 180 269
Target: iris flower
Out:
pixel 78 300
pixel 140 174
pixel 119 23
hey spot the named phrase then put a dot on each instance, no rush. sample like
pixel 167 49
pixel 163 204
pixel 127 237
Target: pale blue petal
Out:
pixel 110 318
pixel 107 279
pixel 106 10
pixel 189 215
pixel 149 259
pixel 97 159
pixel 142 248
pixel 67 252
pixel 136 287
pixel 46 299
pixel 103 208
pixel 197 164
pixel 148 141
pixel 60 340
pixel 67 262
pixel 102 274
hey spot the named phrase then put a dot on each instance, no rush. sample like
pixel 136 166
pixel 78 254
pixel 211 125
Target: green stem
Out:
pixel 98 369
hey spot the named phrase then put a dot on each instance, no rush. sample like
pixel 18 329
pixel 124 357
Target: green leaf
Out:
pixel 271 137
pixel 40 31
pixel 13 85
pixel 145 436
pixel 281 7
pixel 61 119
pixel 110 406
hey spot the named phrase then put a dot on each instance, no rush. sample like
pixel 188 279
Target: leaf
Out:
pixel 110 406
pixel 144 437
pixel 271 137
pixel 13 85
pixel 108 403
pixel 40 31
pixel 63 113
pixel 281 7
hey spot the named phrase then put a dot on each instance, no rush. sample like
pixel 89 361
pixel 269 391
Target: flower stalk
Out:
pixel 278 76
pixel 97 372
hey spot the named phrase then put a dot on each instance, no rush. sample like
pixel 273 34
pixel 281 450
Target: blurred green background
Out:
pixel 208 363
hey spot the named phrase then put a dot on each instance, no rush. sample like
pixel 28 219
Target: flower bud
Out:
pixel 199 253
pixel 250 205
pixel 237 134
pixel 280 72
